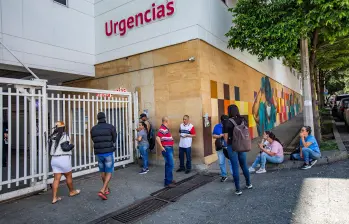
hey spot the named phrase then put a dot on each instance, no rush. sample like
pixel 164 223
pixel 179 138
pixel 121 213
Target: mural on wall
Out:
pixel 271 105
pixel 264 107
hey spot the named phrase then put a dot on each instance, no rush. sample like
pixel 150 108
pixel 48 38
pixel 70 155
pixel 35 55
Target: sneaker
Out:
pixel 180 170
pixel 238 192
pixel 306 166
pixel 313 162
pixel 251 169
pixel 187 171
pixel 143 171
pixel 261 171
pixel 249 186
pixel 223 179
pixel 258 165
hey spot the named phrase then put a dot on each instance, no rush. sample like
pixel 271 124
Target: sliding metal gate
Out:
pixel 29 110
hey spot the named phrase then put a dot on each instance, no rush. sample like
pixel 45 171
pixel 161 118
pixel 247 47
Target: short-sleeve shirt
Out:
pixel 144 139
pixel 314 146
pixel 218 130
pixel 165 136
pixel 183 130
pixel 228 127
pixel 277 148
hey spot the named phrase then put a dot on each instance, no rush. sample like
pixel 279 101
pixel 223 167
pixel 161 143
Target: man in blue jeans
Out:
pixel 165 142
pixel 186 132
pixel 104 137
pixel 218 134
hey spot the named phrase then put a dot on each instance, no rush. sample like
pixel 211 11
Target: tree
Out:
pixel 274 28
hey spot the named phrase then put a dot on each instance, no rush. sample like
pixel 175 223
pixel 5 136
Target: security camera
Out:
pixel 191 59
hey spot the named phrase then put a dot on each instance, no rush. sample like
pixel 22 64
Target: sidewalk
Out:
pixel 127 186
pixel 285 132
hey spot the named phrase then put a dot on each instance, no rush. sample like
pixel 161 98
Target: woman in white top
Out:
pixel 61 162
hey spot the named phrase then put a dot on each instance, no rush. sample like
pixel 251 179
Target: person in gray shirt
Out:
pixel 143 146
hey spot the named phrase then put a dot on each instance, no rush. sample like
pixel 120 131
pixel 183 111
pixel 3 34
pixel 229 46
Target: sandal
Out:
pixel 103 196
pixel 77 192
pixel 107 192
pixel 57 200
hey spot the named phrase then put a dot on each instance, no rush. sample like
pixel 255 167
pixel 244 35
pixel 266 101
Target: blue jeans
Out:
pixel 187 152
pixel 262 158
pixel 169 164
pixel 308 155
pixel 221 159
pixel 143 150
pixel 236 159
pixel 105 162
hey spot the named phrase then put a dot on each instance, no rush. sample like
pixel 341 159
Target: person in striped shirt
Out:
pixel 165 142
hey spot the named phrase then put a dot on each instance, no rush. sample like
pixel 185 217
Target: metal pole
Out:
pixel 28 69
pixel 308 109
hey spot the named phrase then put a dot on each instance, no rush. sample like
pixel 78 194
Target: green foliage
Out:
pixel 328 145
pixel 335 83
pixel 273 28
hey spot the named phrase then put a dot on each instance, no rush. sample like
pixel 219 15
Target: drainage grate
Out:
pixel 139 210
pixel 156 201
pixel 183 187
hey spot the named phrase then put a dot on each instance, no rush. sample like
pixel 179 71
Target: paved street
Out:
pixel 318 195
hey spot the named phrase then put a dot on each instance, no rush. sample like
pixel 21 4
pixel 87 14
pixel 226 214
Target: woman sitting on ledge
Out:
pixel 309 149
pixel 273 153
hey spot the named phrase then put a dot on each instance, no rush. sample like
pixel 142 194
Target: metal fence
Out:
pixel 29 110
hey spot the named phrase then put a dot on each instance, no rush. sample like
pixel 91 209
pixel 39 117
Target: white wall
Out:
pixel 49 36
pixel 215 23
pixel 208 20
pixel 180 27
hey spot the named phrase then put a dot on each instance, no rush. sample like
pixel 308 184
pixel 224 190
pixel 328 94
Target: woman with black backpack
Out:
pixel 236 156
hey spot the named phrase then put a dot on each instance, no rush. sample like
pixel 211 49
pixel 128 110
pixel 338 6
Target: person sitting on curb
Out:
pixel 309 149
pixel 220 144
pixel 274 153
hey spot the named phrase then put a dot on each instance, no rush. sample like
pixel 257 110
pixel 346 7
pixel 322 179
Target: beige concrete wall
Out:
pixel 167 83
pixel 170 85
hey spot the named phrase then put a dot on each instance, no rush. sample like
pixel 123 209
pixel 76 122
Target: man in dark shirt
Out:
pixel 104 137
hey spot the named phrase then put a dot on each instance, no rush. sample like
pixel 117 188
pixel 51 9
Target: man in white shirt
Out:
pixel 186 132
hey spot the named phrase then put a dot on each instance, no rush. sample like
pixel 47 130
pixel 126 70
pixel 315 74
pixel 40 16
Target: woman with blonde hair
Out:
pixel 61 160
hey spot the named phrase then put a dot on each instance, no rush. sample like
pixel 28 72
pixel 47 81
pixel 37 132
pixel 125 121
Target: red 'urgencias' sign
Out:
pixel 150 15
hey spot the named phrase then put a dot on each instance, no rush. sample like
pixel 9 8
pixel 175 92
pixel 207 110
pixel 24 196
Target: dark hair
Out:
pixel 224 117
pixel 272 136
pixel 308 129
pixel 233 111
pixel 144 125
pixel 59 133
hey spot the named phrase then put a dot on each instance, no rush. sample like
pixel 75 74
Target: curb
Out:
pixel 335 156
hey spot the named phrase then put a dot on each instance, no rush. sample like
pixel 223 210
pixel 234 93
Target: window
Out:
pixel 63 2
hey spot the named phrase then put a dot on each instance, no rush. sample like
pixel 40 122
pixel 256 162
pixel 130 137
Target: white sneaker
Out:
pixel 251 169
pixel 258 165
pixel 261 171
